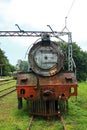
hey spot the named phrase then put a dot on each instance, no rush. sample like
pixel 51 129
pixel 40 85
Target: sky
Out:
pixel 35 15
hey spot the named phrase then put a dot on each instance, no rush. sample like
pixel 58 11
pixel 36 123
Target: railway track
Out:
pixel 5 92
pixel 60 118
pixel 3 95
pixel 63 123
pixel 7 79
pixel 7 82
pixel 7 87
pixel 30 121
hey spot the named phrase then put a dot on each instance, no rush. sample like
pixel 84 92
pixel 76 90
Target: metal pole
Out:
pixel 70 63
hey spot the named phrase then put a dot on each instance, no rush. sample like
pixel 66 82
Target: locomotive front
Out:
pixel 46 57
pixel 46 87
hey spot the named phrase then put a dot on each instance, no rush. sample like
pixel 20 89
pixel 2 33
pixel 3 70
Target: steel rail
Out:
pixel 7 89
pixel 30 121
pixel 6 83
pixel 62 120
pixel 7 93
pixel 7 79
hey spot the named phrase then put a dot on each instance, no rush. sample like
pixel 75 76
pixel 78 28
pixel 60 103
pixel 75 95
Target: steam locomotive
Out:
pixel 46 86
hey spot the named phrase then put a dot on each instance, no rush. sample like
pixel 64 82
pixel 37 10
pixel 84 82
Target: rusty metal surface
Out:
pixel 63 85
pixel 47 107
pixel 46 96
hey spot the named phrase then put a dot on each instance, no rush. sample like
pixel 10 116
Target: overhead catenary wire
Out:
pixel 65 27
pixel 70 8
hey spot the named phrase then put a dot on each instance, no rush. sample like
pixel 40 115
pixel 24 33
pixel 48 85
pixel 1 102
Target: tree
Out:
pixel 5 66
pixel 80 58
pixel 22 66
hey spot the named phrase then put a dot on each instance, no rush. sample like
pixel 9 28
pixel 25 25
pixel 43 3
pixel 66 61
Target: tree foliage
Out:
pixel 22 66
pixel 80 58
pixel 5 66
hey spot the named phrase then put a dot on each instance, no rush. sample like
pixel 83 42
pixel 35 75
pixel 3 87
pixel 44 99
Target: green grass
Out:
pixel 13 119
pixel 9 84
pixel 10 117
pixel 76 118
